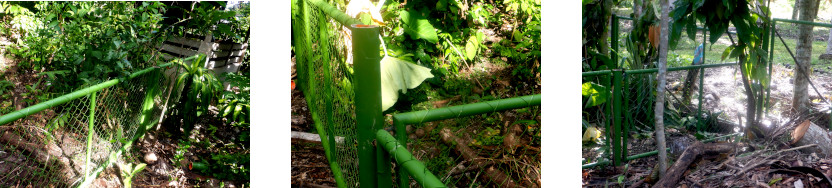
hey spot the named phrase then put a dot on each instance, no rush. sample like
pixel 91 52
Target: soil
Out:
pixel 167 173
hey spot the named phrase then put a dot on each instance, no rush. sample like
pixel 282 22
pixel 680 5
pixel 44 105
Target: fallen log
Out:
pixel 814 134
pixel 694 151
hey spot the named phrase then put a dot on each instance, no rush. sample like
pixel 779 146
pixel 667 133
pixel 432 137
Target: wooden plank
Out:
pixel 192 43
pixel 229 46
pixel 221 54
pixel 177 51
pixel 167 57
pixel 232 59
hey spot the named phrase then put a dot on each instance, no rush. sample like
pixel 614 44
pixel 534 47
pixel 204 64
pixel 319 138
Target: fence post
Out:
pixel 401 135
pixel 770 58
pixel 89 134
pixel 618 146
pixel 614 40
pixel 699 124
pixel 365 46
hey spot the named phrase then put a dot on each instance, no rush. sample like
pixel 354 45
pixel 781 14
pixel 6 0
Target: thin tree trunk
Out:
pixel 636 9
pixel 659 111
pixel 800 99
pixel 795 9
pixel 829 41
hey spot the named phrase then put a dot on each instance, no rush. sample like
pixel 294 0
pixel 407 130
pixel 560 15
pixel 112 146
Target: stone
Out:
pixel 150 158
pixel 420 132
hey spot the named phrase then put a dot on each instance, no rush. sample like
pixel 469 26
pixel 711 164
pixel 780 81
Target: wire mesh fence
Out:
pixel 71 142
pixel 322 47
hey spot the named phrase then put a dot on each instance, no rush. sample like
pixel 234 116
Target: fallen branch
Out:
pixel 310 137
pixel 694 151
pixel 766 159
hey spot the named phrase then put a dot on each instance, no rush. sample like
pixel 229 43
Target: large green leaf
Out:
pixel 471 47
pixel 597 93
pixel 399 75
pixel 417 26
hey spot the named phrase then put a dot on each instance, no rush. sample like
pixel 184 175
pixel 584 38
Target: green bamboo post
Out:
pixel 90 130
pixel 771 59
pixel 618 146
pixel 627 116
pixel 405 159
pixel 608 119
pixel 614 41
pixel 699 117
pixel 401 135
pixel 365 47
pixel 424 116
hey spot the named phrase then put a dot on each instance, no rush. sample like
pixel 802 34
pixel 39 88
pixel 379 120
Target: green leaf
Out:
pixel 471 47
pixel 417 26
pixel 237 111
pixel 727 52
pixel 399 75
pixel 442 5
pixel 691 28
pixel 597 93
pixel 716 31
pixel 736 51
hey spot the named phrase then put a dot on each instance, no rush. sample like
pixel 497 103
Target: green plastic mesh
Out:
pixel 49 148
pixel 325 77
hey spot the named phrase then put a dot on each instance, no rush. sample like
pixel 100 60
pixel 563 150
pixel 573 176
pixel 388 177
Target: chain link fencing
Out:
pixel 322 47
pixel 68 141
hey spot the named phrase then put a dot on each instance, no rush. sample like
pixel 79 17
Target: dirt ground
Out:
pixel 759 163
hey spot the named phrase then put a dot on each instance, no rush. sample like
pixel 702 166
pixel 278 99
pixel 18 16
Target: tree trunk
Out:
pixel 829 41
pixel 659 110
pixel 637 9
pixel 605 49
pixel 690 81
pixel 795 9
pixel 800 99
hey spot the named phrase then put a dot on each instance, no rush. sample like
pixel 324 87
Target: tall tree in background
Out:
pixel 660 141
pixel 800 99
pixel 829 41
pixel 795 9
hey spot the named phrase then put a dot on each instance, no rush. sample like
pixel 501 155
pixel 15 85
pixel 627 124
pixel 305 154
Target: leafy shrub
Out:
pixel 199 89
pixel 235 105
pixel 90 41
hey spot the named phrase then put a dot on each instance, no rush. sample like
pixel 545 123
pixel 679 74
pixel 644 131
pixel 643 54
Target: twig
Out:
pixel 766 159
pixel 458 53
pixel 637 184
